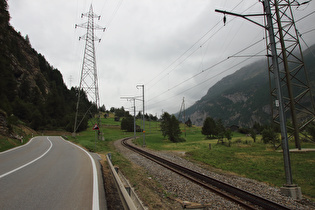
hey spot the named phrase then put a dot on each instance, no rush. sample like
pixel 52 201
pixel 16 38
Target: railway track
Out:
pixel 239 196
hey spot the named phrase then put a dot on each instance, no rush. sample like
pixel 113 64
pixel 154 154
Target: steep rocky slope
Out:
pixel 242 98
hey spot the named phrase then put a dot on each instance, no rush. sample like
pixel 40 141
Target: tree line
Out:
pixel 213 129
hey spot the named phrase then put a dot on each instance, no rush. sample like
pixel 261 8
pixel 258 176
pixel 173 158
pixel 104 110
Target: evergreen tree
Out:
pixel 127 124
pixel 220 130
pixel 102 108
pixel 174 132
pixel 188 123
pixel 209 128
pixel 139 115
pixel 121 112
pixel 170 127
pixel 112 110
pixel 165 123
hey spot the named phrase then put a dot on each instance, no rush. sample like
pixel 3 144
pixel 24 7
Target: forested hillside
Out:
pixel 31 90
pixel 243 98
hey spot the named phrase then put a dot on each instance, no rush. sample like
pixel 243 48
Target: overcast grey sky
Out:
pixel 167 45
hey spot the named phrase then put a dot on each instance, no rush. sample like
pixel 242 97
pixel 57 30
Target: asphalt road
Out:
pixel 50 173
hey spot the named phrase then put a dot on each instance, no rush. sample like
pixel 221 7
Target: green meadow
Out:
pixel 243 156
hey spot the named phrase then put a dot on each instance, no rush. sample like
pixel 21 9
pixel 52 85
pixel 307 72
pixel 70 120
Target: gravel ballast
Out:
pixel 187 192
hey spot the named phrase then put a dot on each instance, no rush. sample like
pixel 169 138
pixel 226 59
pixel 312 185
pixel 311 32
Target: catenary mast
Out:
pixel 290 88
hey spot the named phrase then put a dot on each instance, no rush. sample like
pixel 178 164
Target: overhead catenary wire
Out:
pixel 195 43
pixel 212 77
pixel 185 57
pixel 222 61
pixel 206 80
pixel 305 16
pixel 249 56
pixel 207 69
pixel 308 47
pixel 156 76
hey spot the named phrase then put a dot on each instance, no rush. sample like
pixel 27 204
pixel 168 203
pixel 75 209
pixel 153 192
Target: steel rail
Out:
pixel 237 195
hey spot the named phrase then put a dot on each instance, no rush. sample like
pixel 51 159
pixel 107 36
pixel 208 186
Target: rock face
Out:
pixel 238 99
pixel 21 60
pixel 243 98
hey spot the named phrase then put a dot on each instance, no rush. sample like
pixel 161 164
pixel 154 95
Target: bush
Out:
pixel 127 124
pixel 270 136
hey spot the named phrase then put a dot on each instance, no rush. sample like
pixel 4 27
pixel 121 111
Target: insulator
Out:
pixel 224 19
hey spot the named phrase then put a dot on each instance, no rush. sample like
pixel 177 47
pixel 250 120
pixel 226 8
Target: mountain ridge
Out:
pixel 242 98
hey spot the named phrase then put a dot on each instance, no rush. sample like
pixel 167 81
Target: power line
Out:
pixel 182 56
pixel 158 75
pixel 206 80
pixel 204 70
pixel 305 16
pixel 306 32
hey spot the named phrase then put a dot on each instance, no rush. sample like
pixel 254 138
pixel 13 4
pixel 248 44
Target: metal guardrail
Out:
pixel 127 196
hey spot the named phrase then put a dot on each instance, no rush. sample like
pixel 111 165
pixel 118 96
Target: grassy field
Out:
pixel 257 160
pixel 244 157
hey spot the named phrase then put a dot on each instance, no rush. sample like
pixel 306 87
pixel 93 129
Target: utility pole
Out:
pixel 88 81
pixel 143 118
pixel 276 12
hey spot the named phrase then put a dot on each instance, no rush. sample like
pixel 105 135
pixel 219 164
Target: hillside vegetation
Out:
pixel 32 92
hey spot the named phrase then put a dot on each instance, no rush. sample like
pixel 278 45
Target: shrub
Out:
pixel 270 136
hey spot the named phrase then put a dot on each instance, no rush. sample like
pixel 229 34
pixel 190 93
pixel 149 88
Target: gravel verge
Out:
pixel 191 194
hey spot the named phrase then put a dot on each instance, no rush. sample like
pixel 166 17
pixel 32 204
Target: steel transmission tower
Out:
pixel 182 114
pixel 88 81
pixel 289 83
pixel 297 97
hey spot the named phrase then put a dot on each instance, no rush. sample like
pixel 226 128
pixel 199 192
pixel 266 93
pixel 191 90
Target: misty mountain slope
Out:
pixel 242 98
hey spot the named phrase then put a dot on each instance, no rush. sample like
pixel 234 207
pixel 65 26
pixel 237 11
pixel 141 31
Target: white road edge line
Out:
pixel 10 172
pixel 95 203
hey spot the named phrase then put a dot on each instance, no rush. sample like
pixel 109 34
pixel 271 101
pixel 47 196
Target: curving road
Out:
pixel 50 173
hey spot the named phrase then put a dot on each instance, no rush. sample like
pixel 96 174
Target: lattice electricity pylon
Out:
pixel 298 102
pixel 297 97
pixel 88 81
pixel 182 114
